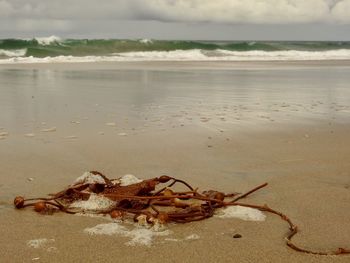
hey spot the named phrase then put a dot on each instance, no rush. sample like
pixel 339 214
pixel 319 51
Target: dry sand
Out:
pixel 304 160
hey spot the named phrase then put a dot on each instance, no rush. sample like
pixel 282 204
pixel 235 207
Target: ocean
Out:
pixel 55 49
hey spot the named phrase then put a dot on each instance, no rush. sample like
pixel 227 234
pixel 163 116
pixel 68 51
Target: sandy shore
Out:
pixel 303 153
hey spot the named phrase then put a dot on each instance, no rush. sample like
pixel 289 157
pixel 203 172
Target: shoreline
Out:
pixel 213 65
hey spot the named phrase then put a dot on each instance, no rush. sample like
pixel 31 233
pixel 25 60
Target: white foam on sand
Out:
pixel 129 179
pixel 138 235
pixel 97 202
pixel 241 212
pixel 192 237
pixel 111 124
pixel 52 129
pixel 89 178
pixel 187 238
pixel 94 203
pixel 39 243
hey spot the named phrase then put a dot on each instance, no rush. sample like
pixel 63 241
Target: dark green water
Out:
pixel 51 47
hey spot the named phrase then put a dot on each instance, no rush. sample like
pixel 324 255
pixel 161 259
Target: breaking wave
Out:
pixel 12 53
pixel 54 50
pixel 45 41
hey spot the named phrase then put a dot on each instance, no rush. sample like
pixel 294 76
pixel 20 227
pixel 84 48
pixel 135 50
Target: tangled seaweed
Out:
pixel 142 201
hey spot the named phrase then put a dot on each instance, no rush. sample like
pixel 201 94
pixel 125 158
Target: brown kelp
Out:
pixel 154 201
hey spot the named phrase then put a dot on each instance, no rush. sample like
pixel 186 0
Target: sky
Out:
pixel 177 19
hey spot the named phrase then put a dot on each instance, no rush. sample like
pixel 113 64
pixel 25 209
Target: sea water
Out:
pixel 54 49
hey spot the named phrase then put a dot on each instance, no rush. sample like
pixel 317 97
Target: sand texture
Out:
pixel 223 129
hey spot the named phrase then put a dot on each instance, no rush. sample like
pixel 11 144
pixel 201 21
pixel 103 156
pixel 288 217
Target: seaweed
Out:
pixel 144 202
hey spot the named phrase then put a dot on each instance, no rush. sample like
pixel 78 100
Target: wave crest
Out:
pixel 13 53
pixel 46 41
pixel 192 55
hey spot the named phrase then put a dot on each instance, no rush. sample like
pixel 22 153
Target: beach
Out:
pixel 227 126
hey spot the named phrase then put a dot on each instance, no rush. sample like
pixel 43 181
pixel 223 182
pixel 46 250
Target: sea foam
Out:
pixel 129 179
pixel 99 202
pixel 45 41
pixel 94 203
pixel 241 212
pixel 13 52
pixel 190 55
pixel 38 243
pixel 146 41
pixel 137 236
pixel 89 178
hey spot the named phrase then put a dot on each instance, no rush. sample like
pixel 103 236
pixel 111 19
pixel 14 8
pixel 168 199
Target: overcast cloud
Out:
pixel 155 17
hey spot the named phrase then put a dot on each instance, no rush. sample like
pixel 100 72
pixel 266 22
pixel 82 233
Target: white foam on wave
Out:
pixel 241 212
pixel 138 235
pixel 341 54
pixel 13 52
pixel 146 41
pixel 45 41
pixel 192 55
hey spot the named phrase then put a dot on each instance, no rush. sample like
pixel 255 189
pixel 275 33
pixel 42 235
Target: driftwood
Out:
pixel 144 202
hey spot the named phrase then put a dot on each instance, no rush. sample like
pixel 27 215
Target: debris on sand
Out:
pixel 152 203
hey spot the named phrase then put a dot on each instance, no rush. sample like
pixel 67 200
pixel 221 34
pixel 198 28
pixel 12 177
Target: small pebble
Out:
pixel 237 236
pixel 29 135
pixel 30 179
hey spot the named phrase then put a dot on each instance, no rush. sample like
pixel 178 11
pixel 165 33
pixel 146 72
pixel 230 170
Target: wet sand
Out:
pixel 221 129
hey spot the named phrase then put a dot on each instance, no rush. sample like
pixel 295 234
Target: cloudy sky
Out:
pixel 178 19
